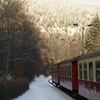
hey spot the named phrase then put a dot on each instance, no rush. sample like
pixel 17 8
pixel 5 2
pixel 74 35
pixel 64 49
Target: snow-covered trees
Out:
pixel 93 40
pixel 56 18
pixel 62 12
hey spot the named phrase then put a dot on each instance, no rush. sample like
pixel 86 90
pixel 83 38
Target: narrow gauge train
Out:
pixel 80 74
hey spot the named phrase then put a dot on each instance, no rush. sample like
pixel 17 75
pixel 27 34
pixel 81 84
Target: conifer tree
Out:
pixel 91 39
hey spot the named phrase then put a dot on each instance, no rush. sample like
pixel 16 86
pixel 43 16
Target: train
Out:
pixel 80 75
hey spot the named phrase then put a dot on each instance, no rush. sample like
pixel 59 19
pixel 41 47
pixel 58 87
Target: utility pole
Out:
pixel 82 40
pixel 82 35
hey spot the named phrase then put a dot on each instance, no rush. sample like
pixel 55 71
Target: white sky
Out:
pixel 90 1
pixel 40 89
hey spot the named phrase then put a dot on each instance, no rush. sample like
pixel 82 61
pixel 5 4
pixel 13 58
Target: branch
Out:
pixel 5 11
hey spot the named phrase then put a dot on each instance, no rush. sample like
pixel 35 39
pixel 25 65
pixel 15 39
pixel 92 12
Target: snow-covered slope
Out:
pixel 40 89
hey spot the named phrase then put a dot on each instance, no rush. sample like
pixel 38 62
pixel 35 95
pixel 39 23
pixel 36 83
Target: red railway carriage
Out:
pixel 89 75
pixel 80 74
pixel 68 74
pixel 55 74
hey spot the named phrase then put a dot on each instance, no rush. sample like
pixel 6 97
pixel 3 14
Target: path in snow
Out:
pixel 40 89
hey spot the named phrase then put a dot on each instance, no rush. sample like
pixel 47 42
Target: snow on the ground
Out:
pixel 40 89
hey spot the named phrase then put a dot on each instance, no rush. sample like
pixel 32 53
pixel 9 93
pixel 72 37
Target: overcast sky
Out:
pixel 91 1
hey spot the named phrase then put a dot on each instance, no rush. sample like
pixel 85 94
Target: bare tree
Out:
pixel 19 37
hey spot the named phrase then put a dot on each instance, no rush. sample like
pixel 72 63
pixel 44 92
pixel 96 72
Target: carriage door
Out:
pixel 74 76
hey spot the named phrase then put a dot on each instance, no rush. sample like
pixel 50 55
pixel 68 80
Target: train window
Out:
pixel 52 71
pixel 85 70
pixel 90 70
pixel 65 70
pixel 98 71
pixel 69 71
pixel 80 71
pixel 61 71
pixel 56 70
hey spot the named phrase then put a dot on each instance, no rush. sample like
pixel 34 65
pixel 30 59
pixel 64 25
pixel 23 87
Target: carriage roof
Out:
pixel 90 55
pixel 85 56
pixel 69 60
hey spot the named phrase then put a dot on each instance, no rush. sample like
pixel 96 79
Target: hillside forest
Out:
pixel 55 18
pixel 34 34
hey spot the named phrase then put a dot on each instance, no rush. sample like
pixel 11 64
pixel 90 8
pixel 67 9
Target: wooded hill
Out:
pixel 38 32
pixel 62 12
pixel 55 19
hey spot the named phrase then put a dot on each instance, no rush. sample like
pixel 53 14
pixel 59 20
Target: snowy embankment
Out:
pixel 40 89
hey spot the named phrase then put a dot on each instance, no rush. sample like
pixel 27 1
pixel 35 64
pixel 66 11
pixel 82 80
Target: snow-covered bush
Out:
pixel 13 88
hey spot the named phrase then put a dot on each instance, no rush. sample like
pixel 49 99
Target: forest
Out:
pixel 55 19
pixel 34 34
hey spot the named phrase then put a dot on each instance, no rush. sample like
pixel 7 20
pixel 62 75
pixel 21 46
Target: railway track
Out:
pixel 61 88
pixel 66 91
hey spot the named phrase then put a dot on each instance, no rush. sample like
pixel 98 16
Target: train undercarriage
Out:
pixel 73 94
